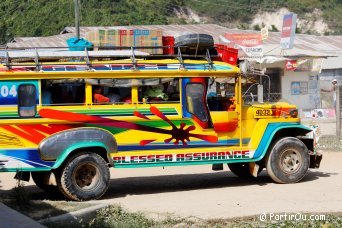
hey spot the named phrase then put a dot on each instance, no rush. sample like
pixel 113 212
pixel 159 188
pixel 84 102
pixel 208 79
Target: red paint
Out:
pixel 140 115
pixel 34 132
pixel 226 126
pixel 145 142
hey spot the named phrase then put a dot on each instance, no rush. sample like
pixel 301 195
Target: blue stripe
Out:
pixel 29 156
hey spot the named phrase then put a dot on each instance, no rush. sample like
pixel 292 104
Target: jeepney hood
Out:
pixel 269 110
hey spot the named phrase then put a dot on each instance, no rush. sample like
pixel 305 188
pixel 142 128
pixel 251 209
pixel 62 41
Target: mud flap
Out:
pixel 24 176
pixel 315 160
pixel 253 169
pixel 217 167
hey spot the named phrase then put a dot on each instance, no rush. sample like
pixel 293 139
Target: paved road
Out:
pixel 198 191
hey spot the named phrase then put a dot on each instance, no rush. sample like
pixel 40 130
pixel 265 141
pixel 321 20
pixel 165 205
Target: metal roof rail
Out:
pixel 208 58
pixel 40 57
pixel 134 61
pixel 87 59
pixel 55 54
pixel 7 61
pixel 180 59
pixel 36 60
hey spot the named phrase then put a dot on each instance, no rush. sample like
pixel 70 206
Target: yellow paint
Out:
pixel 249 126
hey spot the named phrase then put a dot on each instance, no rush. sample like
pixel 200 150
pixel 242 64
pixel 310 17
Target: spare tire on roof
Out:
pixel 194 43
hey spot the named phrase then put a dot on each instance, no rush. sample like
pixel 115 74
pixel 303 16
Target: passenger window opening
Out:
pixel 111 95
pixel 159 91
pixel 27 100
pixel 62 92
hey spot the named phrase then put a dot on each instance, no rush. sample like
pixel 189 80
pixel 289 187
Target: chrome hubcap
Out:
pixel 86 176
pixel 291 161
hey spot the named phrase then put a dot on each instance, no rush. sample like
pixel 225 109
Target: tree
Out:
pixel 4 36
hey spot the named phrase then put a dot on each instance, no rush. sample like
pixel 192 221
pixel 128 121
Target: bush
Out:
pixel 115 216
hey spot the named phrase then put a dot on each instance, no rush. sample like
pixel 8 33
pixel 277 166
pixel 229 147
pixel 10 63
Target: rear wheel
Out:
pixel 241 169
pixel 288 161
pixel 84 177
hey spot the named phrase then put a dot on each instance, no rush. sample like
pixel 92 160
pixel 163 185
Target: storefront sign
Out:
pixel 290 65
pixel 264 33
pixel 251 44
pixel 288 31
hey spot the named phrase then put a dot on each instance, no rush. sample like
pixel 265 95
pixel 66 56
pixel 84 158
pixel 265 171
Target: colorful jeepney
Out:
pixel 52 130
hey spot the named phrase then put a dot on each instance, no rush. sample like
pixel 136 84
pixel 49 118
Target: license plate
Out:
pixel 263 112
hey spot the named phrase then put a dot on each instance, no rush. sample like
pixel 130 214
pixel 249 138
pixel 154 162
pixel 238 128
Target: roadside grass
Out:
pixel 330 142
pixel 331 220
pixel 116 216
pixel 41 209
pixel 20 200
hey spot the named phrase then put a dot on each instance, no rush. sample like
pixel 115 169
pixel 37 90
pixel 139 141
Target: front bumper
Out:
pixel 315 160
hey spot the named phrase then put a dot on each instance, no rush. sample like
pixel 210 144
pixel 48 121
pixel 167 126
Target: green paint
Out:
pixel 63 156
pixel 161 123
pixel 25 169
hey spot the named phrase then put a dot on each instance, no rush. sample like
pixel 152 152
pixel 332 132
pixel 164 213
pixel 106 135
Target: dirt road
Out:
pixel 198 191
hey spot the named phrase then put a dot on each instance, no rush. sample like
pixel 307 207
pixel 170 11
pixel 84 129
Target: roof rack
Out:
pixel 41 57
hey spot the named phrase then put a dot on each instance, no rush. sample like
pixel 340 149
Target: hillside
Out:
pixel 49 17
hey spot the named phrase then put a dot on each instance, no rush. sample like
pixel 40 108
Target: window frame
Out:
pixel 203 99
pixel 20 98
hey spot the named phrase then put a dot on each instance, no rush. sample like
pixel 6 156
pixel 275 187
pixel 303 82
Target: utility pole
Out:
pixel 338 109
pixel 77 18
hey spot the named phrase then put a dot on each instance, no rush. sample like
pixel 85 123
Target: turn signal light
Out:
pixel 294 113
pixel 285 112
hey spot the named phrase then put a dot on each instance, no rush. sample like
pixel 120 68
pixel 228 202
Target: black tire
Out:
pixel 84 177
pixel 194 43
pixel 242 169
pixel 39 178
pixel 288 161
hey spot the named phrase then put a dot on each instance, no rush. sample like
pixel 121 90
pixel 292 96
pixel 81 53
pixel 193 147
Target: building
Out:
pixel 295 74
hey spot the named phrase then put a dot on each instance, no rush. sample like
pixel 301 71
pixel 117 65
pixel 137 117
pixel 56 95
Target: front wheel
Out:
pixel 288 161
pixel 84 177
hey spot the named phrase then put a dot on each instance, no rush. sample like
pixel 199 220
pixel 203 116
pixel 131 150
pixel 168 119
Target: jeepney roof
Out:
pixel 108 64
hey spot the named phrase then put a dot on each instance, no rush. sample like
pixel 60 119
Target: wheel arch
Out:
pixel 58 147
pixel 274 133
pixel 96 147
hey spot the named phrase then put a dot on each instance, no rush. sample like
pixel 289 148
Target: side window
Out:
pixel 62 92
pixel 195 101
pixel 27 106
pixel 111 95
pixel 221 95
pixel 160 90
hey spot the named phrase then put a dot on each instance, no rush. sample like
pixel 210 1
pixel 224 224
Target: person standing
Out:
pixel 333 89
